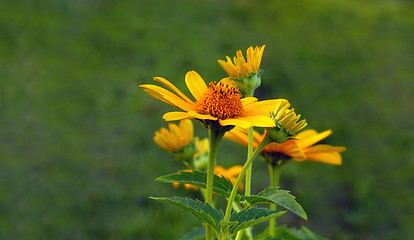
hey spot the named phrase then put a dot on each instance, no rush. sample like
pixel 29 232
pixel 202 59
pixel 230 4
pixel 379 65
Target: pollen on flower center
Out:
pixel 221 101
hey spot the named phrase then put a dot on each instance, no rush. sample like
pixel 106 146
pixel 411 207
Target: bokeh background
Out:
pixel 77 160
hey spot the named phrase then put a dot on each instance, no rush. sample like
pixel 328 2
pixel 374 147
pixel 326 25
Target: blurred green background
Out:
pixel 77 160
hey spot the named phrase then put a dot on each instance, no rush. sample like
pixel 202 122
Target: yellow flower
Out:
pixel 239 66
pixel 299 150
pixel 231 174
pixel 177 137
pixel 220 102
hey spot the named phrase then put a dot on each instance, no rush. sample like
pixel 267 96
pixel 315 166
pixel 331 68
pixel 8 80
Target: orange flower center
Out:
pixel 220 101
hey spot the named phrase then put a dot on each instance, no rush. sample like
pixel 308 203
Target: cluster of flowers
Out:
pixel 228 109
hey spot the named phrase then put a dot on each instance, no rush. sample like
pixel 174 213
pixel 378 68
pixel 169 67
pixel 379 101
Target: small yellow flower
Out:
pixel 245 74
pixel 240 66
pixel 299 150
pixel 220 102
pixel 177 137
pixel 231 174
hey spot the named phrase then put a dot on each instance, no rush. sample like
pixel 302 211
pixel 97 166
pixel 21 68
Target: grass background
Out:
pixel 77 160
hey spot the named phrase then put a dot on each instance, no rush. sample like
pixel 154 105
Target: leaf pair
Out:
pixel 212 216
pixel 223 187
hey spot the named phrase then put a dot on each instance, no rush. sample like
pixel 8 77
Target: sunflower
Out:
pixel 219 102
pixel 299 150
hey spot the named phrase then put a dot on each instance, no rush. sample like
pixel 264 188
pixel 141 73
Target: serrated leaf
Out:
pixel 196 234
pixel 252 216
pixel 221 185
pixel 281 197
pixel 201 210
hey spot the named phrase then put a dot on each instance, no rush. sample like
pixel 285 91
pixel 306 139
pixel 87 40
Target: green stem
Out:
pixel 266 140
pixel 274 172
pixel 215 134
pixel 248 180
pixel 249 169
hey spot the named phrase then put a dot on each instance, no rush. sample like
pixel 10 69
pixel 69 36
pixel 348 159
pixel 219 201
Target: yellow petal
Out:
pixel 234 171
pixel 258 121
pixel 309 137
pixel 227 81
pixel 195 84
pixel 326 157
pixel 262 108
pixel 172 87
pixel 187 129
pixel 238 135
pixel 248 100
pixel 167 97
pixel 235 122
pixel 201 116
pixel 173 116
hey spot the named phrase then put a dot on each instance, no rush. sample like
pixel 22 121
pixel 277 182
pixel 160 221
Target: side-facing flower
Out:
pixel 221 103
pixel 299 149
pixel 178 140
pixel 287 124
pixel 245 73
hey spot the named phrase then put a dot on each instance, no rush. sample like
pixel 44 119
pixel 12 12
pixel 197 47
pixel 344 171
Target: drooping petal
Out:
pixel 326 157
pixel 195 84
pixel 309 137
pixel 172 87
pixel 173 116
pixel 167 97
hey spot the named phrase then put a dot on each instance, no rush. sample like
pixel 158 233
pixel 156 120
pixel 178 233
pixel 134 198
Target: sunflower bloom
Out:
pixel 245 74
pixel 219 102
pixel 303 148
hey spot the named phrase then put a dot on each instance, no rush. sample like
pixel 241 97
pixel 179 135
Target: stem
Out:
pixel 266 140
pixel 249 170
pixel 215 135
pixel 274 172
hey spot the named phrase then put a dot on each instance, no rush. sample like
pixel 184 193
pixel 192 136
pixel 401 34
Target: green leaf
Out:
pixel 221 185
pixel 201 210
pixel 281 197
pixel 252 216
pixel 196 234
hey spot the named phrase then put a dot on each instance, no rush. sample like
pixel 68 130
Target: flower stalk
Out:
pixel 215 133
pixel 274 172
pixel 266 140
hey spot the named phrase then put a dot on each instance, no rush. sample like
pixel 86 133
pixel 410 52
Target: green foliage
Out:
pixel 281 197
pixel 221 185
pixel 203 211
pixel 251 216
